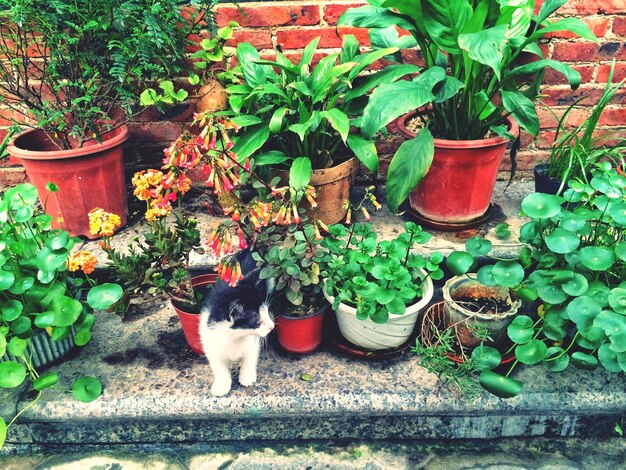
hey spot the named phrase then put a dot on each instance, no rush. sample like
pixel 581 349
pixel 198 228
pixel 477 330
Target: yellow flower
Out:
pixel 147 183
pixel 103 223
pixel 84 260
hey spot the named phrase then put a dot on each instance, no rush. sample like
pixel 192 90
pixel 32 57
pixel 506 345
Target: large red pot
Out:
pixel 87 177
pixel 458 186
pixel 190 322
pixel 301 335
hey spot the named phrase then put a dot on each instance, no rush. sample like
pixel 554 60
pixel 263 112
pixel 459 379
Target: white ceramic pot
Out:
pixel 378 336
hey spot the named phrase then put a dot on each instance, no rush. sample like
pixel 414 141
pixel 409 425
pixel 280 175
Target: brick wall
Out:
pixel 292 24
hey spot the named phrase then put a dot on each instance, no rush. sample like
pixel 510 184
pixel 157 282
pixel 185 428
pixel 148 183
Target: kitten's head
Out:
pixel 250 318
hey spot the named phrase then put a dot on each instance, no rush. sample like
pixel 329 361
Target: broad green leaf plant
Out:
pixel 290 111
pixel 378 278
pixel 40 291
pixel 474 73
pixel 574 264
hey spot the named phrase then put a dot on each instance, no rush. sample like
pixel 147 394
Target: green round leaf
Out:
pixel 618 212
pixel 486 358
pixel 620 250
pixel 583 310
pixel 11 309
pixel 87 389
pixel 551 294
pixel 58 241
pixel 562 241
pixel 6 280
pixel 53 188
pixel 485 276
pixel 609 359
pixel 591 337
pixel 44 319
pixel 82 338
pixel 599 292
pixel 576 286
pixel 526 294
pixel 556 359
pixel 46 381
pixel 610 322
pixel 500 386
pixel 477 246
pixel 17 346
pixel 508 273
pixel 59 333
pixel 12 374
pixel 597 258
pixel 21 285
pixel 51 260
pixel 617 300
pixel 541 206
pixel 584 361
pixel 521 329
pixel 460 262
pixel 532 352
pixel 66 310
pixel 24 214
pixel 21 325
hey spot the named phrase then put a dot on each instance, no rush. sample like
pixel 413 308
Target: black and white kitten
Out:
pixel 232 324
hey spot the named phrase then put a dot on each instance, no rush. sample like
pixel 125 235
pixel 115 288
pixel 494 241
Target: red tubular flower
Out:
pixel 316 231
pixel 296 215
pixel 366 214
pixel 228 186
pixel 242 239
pixel 349 217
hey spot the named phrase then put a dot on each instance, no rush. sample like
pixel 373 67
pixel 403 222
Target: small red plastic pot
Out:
pixel 300 335
pixel 88 177
pixel 458 186
pixel 190 322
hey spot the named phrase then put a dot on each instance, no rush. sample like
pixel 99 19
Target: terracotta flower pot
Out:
pixel 379 336
pixel 458 186
pixel 300 335
pixel 190 322
pixel 333 188
pixel 87 177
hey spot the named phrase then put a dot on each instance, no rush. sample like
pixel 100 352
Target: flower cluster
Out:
pixel 84 260
pixel 102 223
pixel 229 271
pixel 159 190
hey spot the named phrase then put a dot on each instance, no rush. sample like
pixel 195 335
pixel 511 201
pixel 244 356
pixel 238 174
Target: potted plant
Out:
pixel 467 101
pixel 576 151
pixel 289 111
pixel 72 74
pixel 377 288
pixel 47 307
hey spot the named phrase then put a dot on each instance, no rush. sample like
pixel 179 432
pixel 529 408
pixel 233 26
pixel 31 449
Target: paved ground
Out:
pixel 516 454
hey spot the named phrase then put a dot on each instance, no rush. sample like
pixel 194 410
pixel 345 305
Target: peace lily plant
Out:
pixel 473 76
pixel 574 263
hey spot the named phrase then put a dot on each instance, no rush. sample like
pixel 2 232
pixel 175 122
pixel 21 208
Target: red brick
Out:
pixel 329 37
pixel 599 27
pixel 553 77
pixel 545 139
pixel 295 56
pixel 613 116
pixel 591 7
pixel 259 39
pixel 334 11
pixel 270 15
pixel 581 51
pixel 619 73
pixel 155 131
pixel 592 93
pixel 12 176
pixel 619 26
pixel 548 120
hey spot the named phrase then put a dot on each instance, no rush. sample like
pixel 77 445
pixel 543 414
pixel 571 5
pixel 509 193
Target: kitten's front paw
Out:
pixel 219 389
pixel 247 378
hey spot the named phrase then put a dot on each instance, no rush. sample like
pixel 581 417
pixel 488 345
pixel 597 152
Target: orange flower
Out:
pixel 84 260
pixel 103 223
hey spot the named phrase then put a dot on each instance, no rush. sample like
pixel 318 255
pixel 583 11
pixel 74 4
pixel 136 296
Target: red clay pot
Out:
pixel 87 177
pixel 458 186
pixel 300 335
pixel 190 322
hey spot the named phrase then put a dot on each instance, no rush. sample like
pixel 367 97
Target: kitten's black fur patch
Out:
pixel 238 304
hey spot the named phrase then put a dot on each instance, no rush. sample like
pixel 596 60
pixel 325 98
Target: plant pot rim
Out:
pixel 319 311
pixel 110 139
pixel 200 279
pixel 413 308
pixel 448 300
pixel 456 144
pixel 327 175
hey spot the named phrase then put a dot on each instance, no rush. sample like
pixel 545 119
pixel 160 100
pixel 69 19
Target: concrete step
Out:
pixel 156 390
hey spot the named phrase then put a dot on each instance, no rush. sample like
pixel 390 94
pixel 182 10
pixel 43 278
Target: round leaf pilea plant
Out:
pixel 379 278
pixel 39 292
pixel 576 248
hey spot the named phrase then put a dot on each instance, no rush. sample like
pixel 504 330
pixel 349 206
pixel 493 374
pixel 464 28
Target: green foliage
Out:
pixel 305 111
pixel 472 53
pixel 38 292
pixel 379 278
pixel 576 150
pixel 91 57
